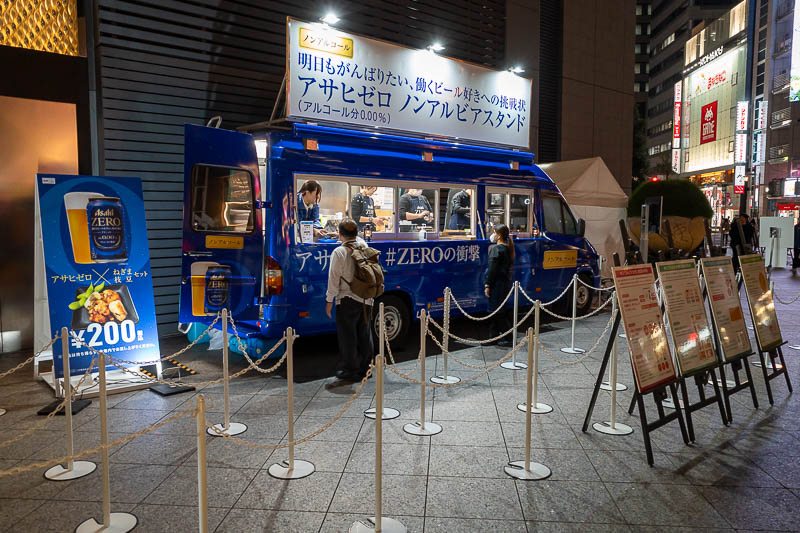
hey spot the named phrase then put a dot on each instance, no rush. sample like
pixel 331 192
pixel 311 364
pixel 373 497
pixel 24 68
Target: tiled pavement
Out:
pixel 744 477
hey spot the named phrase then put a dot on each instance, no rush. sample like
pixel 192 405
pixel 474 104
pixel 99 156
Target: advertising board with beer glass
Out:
pixel 97 267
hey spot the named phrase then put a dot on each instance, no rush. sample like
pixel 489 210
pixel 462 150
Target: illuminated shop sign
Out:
pixel 344 78
pixel 708 123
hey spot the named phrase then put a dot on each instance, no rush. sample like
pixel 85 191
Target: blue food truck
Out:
pixel 244 249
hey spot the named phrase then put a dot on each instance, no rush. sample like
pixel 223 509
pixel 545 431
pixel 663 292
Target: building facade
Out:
pixel 150 69
pixel 711 111
pixel 777 143
pixel 671 26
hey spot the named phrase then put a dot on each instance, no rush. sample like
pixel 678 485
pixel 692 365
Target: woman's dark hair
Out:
pixel 503 233
pixel 311 186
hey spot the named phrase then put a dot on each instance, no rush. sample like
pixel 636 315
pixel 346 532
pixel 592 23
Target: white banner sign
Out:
pixel 740 148
pixel 353 80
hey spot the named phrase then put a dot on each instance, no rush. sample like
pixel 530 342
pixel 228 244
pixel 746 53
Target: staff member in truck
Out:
pixel 459 210
pixel 308 198
pixel 415 210
pixel 362 208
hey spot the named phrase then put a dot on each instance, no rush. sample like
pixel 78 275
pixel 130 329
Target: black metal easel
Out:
pixel 736 366
pixel 659 394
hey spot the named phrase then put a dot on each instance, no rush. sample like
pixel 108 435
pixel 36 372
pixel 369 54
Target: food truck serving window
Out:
pixel 222 199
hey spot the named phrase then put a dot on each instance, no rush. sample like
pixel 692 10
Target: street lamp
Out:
pixel 436 47
pixel 330 19
pixel 516 69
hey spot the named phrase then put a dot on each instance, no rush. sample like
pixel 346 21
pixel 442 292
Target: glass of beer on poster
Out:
pixel 75 204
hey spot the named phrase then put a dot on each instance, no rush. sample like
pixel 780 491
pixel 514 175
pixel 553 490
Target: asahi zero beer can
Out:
pixel 218 288
pixel 106 230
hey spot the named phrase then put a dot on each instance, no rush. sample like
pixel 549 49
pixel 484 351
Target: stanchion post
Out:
pixel 533 405
pixel 379 437
pixel 514 327
pixel 445 377
pixel 117 522
pixel 379 523
pixel 73 469
pixel 372 412
pixel 513 364
pixel 226 427
pixel 526 470
pixel 572 349
pixel 225 373
pixel 291 469
pixel 612 427
pixel 422 428
pixel 202 472
pixel 613 421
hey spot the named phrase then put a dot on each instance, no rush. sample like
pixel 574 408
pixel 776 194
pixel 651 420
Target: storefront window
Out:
pixel 457 204
pixel 222 199
pixel 518 213
pixel 416 210
pixel 372 202
pixel 333 203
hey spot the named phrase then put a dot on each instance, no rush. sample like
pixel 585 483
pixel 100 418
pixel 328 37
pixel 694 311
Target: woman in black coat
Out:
pixel 499 280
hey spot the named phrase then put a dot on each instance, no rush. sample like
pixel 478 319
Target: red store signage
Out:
pixel 708 123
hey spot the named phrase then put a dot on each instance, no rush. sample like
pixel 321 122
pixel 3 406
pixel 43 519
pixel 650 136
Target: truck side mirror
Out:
pixel 581 227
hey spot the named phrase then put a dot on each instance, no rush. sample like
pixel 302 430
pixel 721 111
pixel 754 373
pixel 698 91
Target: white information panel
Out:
pixel 779 230
pixel 691 333
pixel 759 298
pixel 723 297
pixel 345 78
pixel 644 327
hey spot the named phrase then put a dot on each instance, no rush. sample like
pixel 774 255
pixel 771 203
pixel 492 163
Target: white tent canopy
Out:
pixel 594 195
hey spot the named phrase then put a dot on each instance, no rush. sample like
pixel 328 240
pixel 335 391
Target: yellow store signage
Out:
pixel 560 259
pixel 227 243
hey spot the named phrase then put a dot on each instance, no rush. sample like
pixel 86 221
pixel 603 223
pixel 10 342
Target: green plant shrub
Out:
pixel 682 198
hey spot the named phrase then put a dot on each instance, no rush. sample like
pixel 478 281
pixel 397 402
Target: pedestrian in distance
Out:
pixel 796 251
pixel 742 235
pixel 355 278
pixel 499 279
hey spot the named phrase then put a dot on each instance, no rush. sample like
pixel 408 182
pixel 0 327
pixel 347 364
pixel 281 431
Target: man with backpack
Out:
pixel 355 278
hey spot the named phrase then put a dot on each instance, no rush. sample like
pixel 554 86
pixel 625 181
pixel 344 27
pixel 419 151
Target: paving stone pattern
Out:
pixel 742 477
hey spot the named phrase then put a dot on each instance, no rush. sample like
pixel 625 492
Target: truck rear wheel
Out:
pixel 397 318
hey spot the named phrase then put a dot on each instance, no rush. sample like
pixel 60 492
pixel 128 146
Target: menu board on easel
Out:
pixel 644 327
pixel 723 297
pixel 688 323
pixel 759 298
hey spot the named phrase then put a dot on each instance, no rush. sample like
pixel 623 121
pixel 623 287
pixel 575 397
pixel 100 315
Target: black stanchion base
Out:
pixel 77 407
pixel 166 390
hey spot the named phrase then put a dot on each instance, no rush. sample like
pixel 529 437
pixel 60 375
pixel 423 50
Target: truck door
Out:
pixel 222 260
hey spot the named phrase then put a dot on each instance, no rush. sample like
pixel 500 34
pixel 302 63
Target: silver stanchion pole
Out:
pixel 378 523
pixel 291 469
pixel 422 428
pixel 513 364
pixel 769 365
pixel 606 385
pixel 112 522
pixel 612 427
pixel 526 470
pixel 572 349
pixel 387 413
pixel 446 378
pixel 227 427
pixel 536 407
pixel 202 472
pixel 73 469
